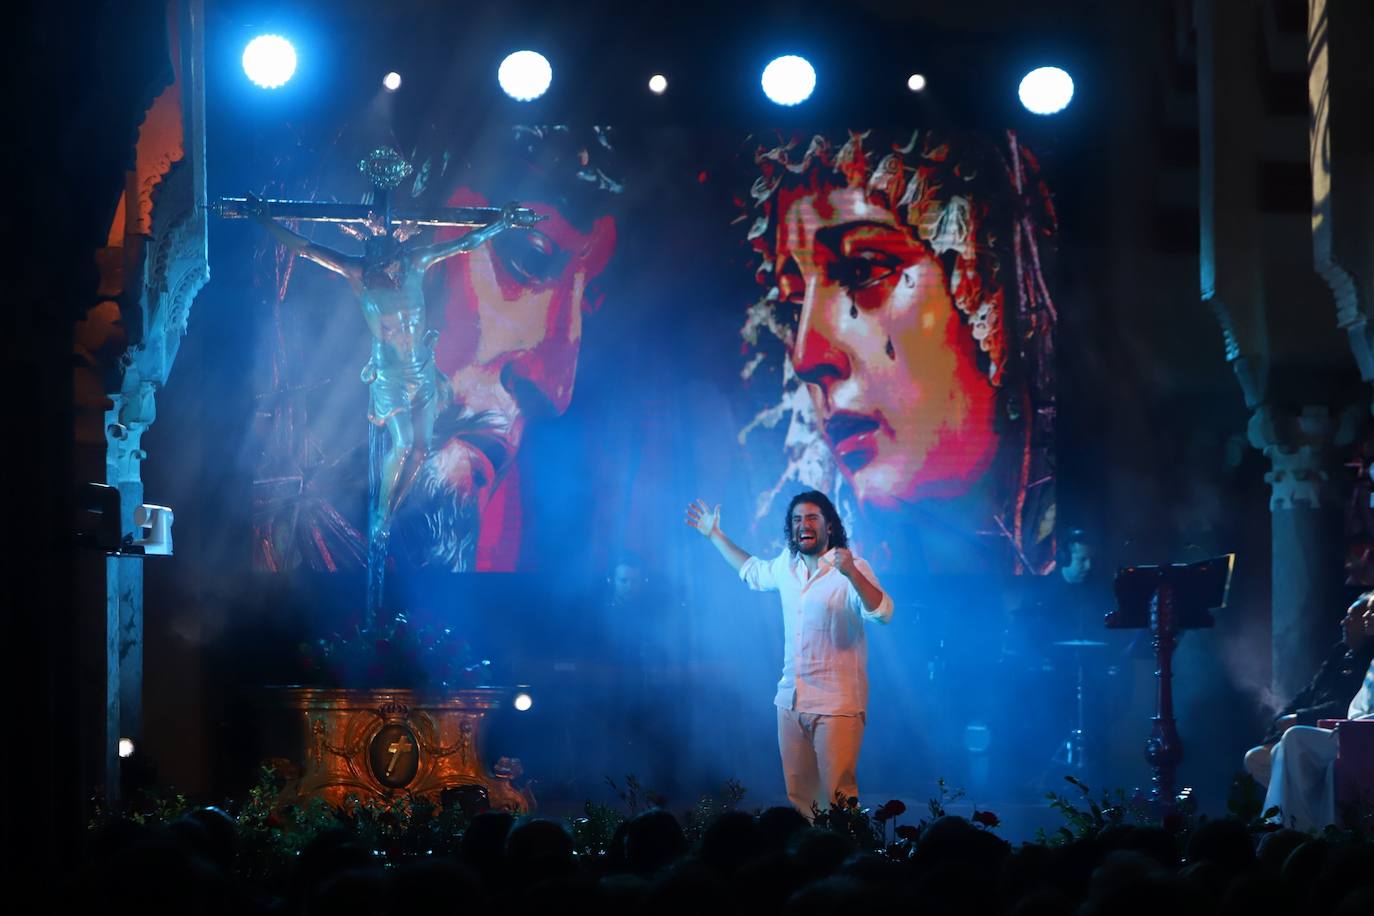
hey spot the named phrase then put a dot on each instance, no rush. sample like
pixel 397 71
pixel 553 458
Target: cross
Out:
pixel 396 749
pixel 406 389
pixel 386 169
pixel 378 213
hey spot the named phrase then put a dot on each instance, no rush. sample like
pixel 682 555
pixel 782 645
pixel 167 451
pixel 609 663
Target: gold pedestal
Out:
pixel 388 744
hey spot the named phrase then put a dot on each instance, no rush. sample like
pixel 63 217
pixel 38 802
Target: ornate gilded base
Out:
pixel 389 744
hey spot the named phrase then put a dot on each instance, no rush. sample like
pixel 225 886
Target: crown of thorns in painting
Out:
pixel 582 156
pixel 574 168
pixel 959 194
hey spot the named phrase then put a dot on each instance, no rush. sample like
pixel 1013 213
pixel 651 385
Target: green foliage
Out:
pixel 694 821
pixel 635 797
pixel 845 816
pixel 272 835
pixel 405 827
pixel 594 830
pixel 273 830
pixel 1112 808
pixel 151 807
pixel 946 797
pixel 899 841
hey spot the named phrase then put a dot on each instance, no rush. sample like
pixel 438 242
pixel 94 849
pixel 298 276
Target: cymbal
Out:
pixel 1081 643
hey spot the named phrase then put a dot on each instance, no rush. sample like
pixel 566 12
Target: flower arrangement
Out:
pixel 393 653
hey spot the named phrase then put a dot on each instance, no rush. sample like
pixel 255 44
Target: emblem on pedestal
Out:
pixel 394 756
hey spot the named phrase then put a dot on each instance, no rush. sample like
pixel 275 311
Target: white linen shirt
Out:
pixel 825 657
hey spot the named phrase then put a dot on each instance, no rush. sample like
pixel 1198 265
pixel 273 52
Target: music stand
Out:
pixel 1167 600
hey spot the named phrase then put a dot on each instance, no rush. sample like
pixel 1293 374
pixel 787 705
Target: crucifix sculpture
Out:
pixel 406 390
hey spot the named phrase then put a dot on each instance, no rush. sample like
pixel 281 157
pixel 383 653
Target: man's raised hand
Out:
pixel 842 559
pixel 703 518
pixel 707 521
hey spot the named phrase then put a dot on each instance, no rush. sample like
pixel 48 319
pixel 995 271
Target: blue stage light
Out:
pixel 523 701
pixel 525 75
pixel 392 81
pixel 789 80
pixel 269 61
pixel 1046 90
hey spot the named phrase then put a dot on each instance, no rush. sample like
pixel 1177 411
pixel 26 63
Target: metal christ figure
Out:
pixel 406 390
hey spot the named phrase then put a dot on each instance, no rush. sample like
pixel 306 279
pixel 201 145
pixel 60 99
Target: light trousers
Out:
pixel 820 755
pixel 1302 783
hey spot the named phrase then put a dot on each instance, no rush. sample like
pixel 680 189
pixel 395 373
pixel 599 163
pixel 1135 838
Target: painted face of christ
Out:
pixel 513 313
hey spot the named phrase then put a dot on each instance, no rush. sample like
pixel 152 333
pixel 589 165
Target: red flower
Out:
pixel 889 810
pixel 986 819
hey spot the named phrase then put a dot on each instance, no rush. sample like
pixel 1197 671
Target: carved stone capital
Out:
pixel 131 413
pixel 1300 448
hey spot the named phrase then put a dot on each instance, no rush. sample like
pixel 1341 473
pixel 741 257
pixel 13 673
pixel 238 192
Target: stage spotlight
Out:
pixel 126 747
pixel 392 81
pixel 269 61
pixel 522 702
pixel 915 82
pixel 788 80
pixel 525 75
pixel 1046 90
pixel 658 84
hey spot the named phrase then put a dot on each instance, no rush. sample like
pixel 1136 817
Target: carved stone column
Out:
pixel 1306 514
pixel 1254 273
pixel 155 263
pixel 129 418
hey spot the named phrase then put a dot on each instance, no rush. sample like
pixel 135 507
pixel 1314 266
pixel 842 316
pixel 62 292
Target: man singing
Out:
pixel 826 593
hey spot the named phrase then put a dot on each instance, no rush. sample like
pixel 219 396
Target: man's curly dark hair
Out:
pixel 838 536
